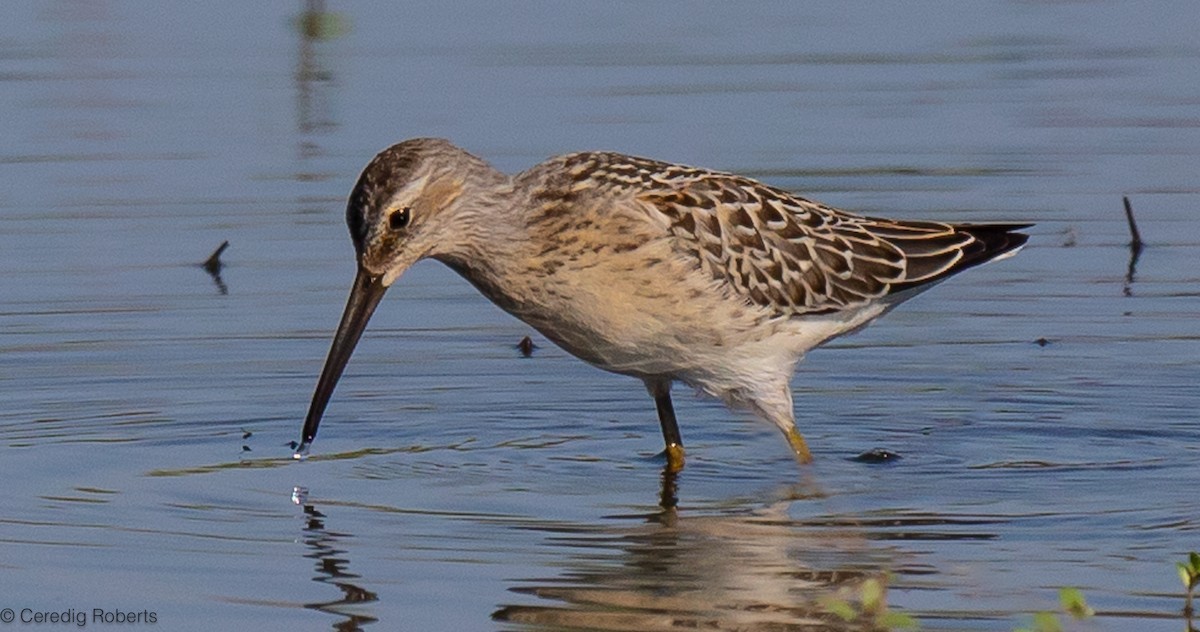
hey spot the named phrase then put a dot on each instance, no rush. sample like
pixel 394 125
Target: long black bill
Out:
pixel 364 297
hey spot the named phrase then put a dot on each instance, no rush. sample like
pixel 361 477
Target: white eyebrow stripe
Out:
pixel 404 196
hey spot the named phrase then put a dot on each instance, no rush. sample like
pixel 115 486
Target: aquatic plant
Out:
pixel 1071 601
pixel 869 607
pixel 1189 574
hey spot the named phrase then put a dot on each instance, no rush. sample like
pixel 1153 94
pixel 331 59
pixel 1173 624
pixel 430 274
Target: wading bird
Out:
pixel 658 271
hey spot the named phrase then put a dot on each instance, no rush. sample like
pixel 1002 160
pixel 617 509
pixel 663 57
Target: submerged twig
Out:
pixel 876 455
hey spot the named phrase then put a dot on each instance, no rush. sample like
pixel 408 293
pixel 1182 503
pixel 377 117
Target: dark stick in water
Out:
pixel 1135 248
pixel 1136 243
pixel 213 263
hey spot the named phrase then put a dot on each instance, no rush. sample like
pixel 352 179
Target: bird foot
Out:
pixel 674 454
pixel 799 446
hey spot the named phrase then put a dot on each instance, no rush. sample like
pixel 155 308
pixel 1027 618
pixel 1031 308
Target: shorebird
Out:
pixel 659 271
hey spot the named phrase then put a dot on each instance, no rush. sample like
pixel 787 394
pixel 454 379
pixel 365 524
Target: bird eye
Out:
pixel 399 219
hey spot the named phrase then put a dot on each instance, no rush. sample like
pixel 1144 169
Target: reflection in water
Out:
pixel 1135 252
pixel 331 569
pixel 314 83
pixel 90 41
pixel 712 572
pixel 668 498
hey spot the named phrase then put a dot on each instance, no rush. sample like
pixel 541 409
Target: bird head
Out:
pixel 400 211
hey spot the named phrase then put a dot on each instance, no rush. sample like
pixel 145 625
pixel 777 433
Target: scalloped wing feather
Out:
pixel 798 257
pixel 786 253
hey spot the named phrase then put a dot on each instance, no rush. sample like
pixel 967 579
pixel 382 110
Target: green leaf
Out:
pixel 897 621
pixel 840 609
pixel 872 595
pixel 1194 558
pixel 1046 622
pixel 1074 604
pixel 1185 574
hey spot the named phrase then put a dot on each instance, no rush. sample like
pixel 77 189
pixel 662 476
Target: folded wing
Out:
pixel 799 257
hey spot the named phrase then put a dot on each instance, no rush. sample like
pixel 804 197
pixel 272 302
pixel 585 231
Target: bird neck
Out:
pixel 488 230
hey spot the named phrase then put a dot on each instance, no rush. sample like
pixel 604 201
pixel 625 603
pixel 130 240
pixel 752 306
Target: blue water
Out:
pixel 147 409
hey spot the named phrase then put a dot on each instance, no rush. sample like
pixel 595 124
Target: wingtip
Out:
pixel 1011 252
pixel 1000 241
pixel 989 242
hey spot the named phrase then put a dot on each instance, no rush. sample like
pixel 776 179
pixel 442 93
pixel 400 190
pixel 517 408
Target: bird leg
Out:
pixel 670 429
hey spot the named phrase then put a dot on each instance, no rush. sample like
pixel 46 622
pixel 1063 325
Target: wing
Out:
pixel 788 254
pixel 795 256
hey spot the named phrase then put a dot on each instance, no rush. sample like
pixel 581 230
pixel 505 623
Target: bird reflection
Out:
pixel 673 571
pixel 332 569
pixel 668 497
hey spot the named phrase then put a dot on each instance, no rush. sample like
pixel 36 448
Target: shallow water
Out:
pixel 458 486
